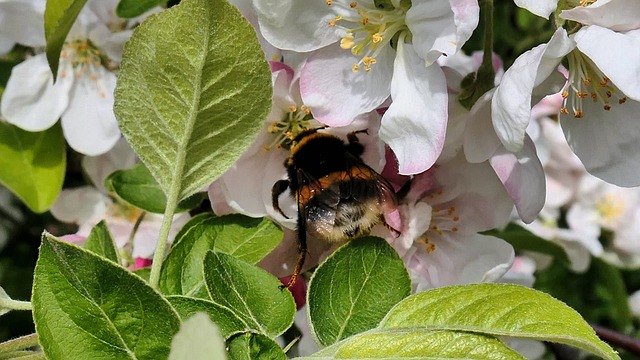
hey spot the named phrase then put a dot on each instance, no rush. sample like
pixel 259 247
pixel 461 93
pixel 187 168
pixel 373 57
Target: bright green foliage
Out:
pixel 250 346
pixel 497 309
pixel 3 296
pixel 138 187
pixel 250 292
pixel 86 307
pixel 246 238
pixel 523 240
pixel 355 288
pixel 226 320
pixel 59 16
pixel 417 344
pixel 32 164
pixel 198 339
pixel 192 93
pixel 100 242
pixel 134 8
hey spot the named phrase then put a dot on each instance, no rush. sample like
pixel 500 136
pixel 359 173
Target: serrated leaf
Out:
pixel 132 8
pixel 252 346
pixel 32 164
pixel 249 239
pixel 198 339
pixel 100 242
pixel 193 90
pixel 354 289
pixel 524 240
pixel 252 293
pixel 497 309
pixel 418 344
pixel 222 316
pixel 138 187
pixel 81 298
pixel 59 16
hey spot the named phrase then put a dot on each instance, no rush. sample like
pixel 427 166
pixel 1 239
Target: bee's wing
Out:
pixel 317 204
pixel 360 191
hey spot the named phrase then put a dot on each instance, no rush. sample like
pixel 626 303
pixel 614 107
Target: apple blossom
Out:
pixel 21 23
pixel 82 95
pixel 601 92
pixel 365 51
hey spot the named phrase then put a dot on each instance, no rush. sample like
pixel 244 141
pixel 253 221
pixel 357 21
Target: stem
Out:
pixel 11 304
pixel 167 220
pixel 618 340
pixel 21 343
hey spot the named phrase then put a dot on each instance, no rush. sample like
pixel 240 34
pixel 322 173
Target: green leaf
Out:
pixel 86 307
pixel 354 289
pixel 253 294
pixel 417 344
pixel 249 239
pixel 4 296
pixel 599 294
pixel 59 16
pixel 251 346
pixel 100 242
pixel 524 240
pixel 222 316
pixel 32 164
pixel 193 91
pixel 138 187
pixel 198 339
pixel 497 309
pixel 133 8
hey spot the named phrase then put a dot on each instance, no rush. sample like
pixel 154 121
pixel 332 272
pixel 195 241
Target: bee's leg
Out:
pixel 355 147
pixel 396 233
pixel 278 188
pixel 302 246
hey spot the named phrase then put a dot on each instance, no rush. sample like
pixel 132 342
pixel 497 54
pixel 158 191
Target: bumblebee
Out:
pixel 339 197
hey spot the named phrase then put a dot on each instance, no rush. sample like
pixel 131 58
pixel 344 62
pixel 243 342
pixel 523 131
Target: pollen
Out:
pixel 586 80
pixel 295 120
pixel 347 42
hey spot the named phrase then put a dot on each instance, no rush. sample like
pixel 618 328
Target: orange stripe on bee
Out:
pixel 308 191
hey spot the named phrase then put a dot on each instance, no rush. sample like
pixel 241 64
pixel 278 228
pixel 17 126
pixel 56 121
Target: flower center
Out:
pixel 367 29
pixel 295 121
pixel 610 208
pixel 121 210
pixel 587 81
pixel 85 61
pixel 443 221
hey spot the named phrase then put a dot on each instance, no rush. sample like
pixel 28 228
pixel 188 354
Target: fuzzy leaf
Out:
pixel 59 16
pixel 354 289
pixel 100 242
pixel 133 8
pixel 198 339
pixel 251 346
pixel 246 238
pixel 32 164
pixel 193 91
pixel 499 310
pixel 86 307
pixel 226 320
pixel 250 292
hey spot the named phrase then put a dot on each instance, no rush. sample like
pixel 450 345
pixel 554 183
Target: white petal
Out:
pixel 99 167
pixel 480 139
pixel 617 15
pixel 542 8
pixel 607 142
pixel 23 22
pixel 511 106
pixel 523 178
pixel 6 44
pixel 432 25
pixel 462 260
pixel 414 125
pixel 31 101
pixel 146 238
pixel 83 206
pixel 335 94
pixel 616 54
pixel 89 124
pixel 298 25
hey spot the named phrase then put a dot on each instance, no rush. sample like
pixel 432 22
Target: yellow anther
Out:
pixel 607 107
pixel 292 108
pixel 353 4
pixel 329 2
pixel 578 114
pixel 565 94
pixel 355 68
pixel 376 38
pixel 347 42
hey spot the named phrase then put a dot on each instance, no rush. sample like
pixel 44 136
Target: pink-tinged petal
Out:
pixel 89 124
pixel 80 205
pixel 542 8
pixel 480 140
pixel 523 178
pixel 73 238
pixel 31 100
pixel 414 126
pixel 615 54
pixel 617 15
pixel 146 237
pixel 511 105
pixel 336 94
pixel 298 290
pixel 140 263
pixel 461 260
pixel 606 141
pixel 298 25
pixel 466 14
